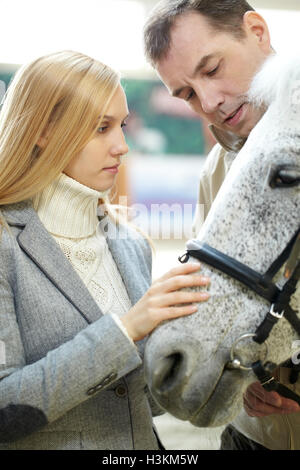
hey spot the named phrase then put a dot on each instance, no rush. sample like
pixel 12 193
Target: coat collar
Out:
pixel 229 141
pixel 39 245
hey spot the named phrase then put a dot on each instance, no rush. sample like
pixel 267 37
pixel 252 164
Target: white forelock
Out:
pixel 278 82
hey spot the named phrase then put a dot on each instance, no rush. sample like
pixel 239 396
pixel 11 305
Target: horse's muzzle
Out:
pixel 169 374
pixel 178 376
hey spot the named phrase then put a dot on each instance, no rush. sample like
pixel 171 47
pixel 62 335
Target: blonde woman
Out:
pixel 74 304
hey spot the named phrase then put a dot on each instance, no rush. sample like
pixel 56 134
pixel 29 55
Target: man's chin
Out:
pixel 240 132
pixel 248 125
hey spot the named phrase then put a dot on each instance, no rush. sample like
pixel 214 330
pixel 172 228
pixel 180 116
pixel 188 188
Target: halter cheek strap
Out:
pixel 281 308
pixel 263 286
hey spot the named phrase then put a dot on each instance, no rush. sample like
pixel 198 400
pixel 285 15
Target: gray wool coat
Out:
pixel 69 378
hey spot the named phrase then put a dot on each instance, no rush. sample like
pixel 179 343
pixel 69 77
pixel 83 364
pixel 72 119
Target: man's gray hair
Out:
pixel 222 15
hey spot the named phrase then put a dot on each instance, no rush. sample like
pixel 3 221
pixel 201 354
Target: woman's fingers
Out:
pixel 165 300
pixel 179 282
pixel 180 297
pixel 175 312
pixel 180 277
pixel 186 268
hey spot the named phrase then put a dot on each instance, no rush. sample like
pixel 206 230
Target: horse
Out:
pixel 198 367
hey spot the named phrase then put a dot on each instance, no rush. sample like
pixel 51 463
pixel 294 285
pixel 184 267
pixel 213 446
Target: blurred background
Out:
pixel 168 142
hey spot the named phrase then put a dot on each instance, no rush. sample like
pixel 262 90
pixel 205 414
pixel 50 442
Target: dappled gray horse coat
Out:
pixel 71 378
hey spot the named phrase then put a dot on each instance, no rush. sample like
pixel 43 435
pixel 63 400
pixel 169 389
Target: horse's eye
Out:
pixel 285 177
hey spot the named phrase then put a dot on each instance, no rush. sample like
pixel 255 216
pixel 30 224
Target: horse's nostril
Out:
pixel 168 373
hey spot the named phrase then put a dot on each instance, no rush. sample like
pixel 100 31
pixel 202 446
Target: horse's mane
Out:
pixel 278 82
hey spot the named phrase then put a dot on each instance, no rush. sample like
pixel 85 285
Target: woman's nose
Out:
pixel 120 148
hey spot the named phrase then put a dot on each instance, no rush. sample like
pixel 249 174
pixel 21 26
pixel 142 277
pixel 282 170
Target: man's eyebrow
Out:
pixel 201 64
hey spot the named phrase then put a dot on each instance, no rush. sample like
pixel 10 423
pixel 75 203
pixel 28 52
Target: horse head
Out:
pixel 189 361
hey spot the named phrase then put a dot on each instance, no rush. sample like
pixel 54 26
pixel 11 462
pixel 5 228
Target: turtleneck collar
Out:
pixel 67 208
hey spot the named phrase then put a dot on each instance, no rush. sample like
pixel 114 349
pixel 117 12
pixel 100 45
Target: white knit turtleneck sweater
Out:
pixel 68 210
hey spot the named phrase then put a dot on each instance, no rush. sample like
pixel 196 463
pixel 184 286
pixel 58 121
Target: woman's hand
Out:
pixel 163 301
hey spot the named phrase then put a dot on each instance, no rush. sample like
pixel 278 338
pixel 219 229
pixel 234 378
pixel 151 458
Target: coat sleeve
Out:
pixel 34 395
pixel 156 410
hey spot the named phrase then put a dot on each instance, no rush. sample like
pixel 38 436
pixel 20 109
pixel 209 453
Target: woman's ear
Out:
pixel 43 140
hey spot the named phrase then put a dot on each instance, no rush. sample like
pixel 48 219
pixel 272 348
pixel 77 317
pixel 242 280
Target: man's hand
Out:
pixel 258 402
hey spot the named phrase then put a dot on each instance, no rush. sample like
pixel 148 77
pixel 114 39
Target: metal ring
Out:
pixel 239 364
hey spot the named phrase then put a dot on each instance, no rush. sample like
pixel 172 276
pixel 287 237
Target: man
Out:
pixel 207 52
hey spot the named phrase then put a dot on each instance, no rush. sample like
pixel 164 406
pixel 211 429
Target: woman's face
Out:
pixel 96 166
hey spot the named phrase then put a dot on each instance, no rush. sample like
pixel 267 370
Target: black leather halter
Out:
pixel 264 286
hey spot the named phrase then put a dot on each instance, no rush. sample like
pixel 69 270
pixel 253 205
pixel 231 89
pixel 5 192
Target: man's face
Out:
pixel 212 71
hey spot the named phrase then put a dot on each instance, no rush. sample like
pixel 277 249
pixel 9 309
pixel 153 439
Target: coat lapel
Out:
pixel 128 260
pixel 129 263
pixel 46 254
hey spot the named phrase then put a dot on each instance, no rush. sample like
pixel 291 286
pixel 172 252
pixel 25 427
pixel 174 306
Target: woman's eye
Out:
pixel 102 129
pixel 124 124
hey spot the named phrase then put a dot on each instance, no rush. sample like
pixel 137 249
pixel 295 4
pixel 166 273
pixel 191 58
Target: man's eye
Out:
pixel 213 72
pixel 190 95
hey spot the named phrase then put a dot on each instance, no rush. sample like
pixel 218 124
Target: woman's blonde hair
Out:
pixel 64 92
pixel 64 95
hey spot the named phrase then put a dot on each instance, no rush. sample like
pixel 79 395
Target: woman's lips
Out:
pixel 235 119
pixel 112 169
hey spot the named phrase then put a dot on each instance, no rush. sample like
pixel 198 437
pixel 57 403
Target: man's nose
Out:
pixel 210 98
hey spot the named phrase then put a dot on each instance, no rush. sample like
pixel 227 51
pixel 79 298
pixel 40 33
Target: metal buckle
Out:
pixel 276 314
pixel 268 381
pixel 236 363
pixel 184 258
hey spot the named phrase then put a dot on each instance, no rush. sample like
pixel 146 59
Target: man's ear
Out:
pixel 256 26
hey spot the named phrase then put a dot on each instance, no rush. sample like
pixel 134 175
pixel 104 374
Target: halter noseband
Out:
pixel 263 285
